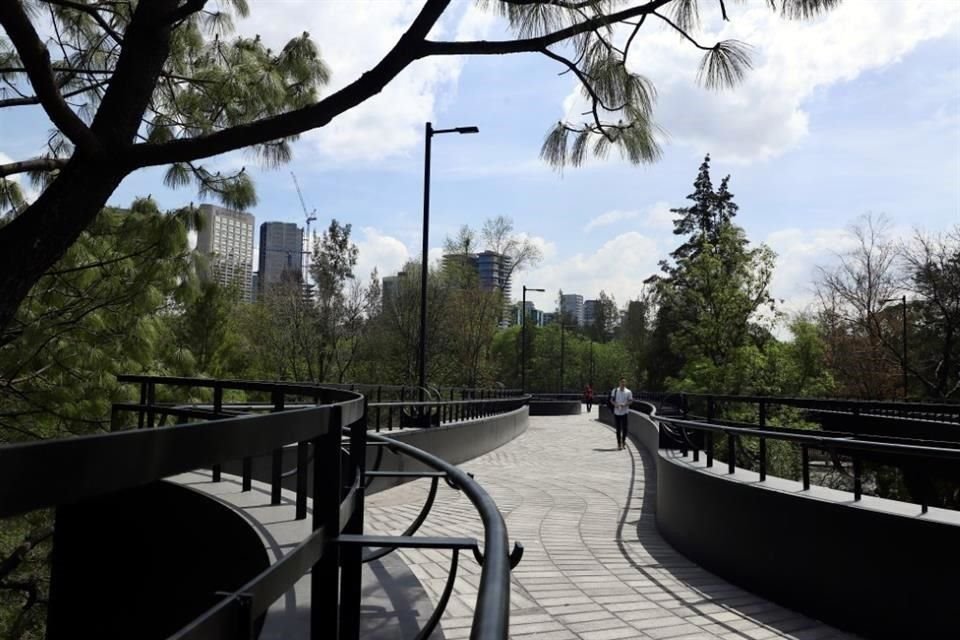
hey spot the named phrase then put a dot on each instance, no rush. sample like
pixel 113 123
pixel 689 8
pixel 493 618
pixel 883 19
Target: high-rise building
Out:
pixel 493 271
pixel 590 308
pixel 227 238
pixel 281 254
pixel 390 288
pixel 571 308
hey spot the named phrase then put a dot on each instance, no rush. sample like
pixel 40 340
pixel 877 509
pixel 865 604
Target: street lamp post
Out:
pixel 523 338
pixel 903 360
pixel 429 132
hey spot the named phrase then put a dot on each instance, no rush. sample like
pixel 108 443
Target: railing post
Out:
pixel 151 399
pixel 763 441
pixel 302 467
pixel 805 465
pixel 143 401
pixel 351 557
pixel 708 445
pixel 857 479
pixel 276 468
pixel 924 494
pixel 217 408
pixel 247 474
pixel 731 452
pixel 324 578
pixel 379 394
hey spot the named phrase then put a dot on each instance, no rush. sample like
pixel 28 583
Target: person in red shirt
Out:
pixel 588 397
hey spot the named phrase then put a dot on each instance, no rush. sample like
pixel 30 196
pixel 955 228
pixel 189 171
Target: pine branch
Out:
pixel 34 164
pixel 36 60
pixel 93 12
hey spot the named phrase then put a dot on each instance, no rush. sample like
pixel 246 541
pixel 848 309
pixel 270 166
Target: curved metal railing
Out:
pixel 694 436
pixel 209 435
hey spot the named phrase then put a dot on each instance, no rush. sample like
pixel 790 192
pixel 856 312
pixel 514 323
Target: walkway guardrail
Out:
pixel 917 455
pixel 702 404
pixel 332 435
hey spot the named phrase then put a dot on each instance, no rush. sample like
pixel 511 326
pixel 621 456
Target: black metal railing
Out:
pixel 911 453
pixel 700 404
pixel 332 435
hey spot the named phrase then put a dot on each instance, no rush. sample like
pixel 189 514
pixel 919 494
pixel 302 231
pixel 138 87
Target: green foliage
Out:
pixel 97 313
pixel 102 310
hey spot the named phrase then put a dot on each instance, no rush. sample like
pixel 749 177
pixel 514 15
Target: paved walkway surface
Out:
pixel 595 566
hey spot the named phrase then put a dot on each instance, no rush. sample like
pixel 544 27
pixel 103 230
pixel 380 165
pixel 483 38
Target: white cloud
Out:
pixel 384 252
pixel 618 268
pixel 764 117
pixel 609 218
pixel 353 37
pixel 475 24
pixel 659 217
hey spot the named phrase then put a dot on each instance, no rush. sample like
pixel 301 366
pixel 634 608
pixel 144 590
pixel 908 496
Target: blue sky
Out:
pixel 858 112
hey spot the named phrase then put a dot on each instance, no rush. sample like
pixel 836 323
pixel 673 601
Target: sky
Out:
pixel 853 113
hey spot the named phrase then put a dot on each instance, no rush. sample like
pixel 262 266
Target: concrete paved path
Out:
pixel 595 566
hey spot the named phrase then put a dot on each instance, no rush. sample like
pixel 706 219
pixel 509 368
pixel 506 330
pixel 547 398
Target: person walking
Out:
pixel 621 398
pixel 588 397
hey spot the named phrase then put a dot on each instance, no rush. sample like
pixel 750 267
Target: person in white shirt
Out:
pixel 621 398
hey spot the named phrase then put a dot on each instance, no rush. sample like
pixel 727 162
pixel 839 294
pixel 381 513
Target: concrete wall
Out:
pixel 143 562
pixel 555 407
pixel 454 443
pixel 858 566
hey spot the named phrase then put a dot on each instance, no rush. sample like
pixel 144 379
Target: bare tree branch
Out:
pixel 34 164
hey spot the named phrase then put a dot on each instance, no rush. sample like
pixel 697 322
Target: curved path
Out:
pixel 595 566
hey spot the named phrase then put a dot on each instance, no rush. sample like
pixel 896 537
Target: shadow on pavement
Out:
pixel 711 591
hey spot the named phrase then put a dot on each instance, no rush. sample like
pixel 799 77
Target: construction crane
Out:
pixel 310 217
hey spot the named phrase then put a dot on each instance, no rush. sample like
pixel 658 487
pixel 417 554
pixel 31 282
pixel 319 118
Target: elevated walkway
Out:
pixel 595 566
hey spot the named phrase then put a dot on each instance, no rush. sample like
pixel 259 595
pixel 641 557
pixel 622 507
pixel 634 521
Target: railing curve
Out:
pixel 87 467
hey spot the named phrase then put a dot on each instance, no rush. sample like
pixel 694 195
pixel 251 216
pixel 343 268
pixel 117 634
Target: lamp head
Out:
pixel 467 130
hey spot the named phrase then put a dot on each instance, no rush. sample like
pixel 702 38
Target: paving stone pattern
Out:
pixel 594 565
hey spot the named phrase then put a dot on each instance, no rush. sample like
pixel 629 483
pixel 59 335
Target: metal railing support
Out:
pixel 324 578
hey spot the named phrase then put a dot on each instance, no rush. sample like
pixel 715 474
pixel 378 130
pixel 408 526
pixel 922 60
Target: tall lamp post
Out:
pixel 429 132
pixel 903 360
pixel 523 338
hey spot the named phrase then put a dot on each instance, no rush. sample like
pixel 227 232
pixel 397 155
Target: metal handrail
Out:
pixel 820 441
pixel 124 459
pixel 491 617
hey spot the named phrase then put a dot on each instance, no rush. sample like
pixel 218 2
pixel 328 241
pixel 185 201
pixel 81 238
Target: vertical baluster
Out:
pixel 805 464
pixel 857 478
pixel 143 401
pixel 379 393
pixel 217 408
pixel 324 583
pixel 276 470
pixel 151 400
pixel 763 441
pixel 731 452
pixel 302 466
pixel 351 556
